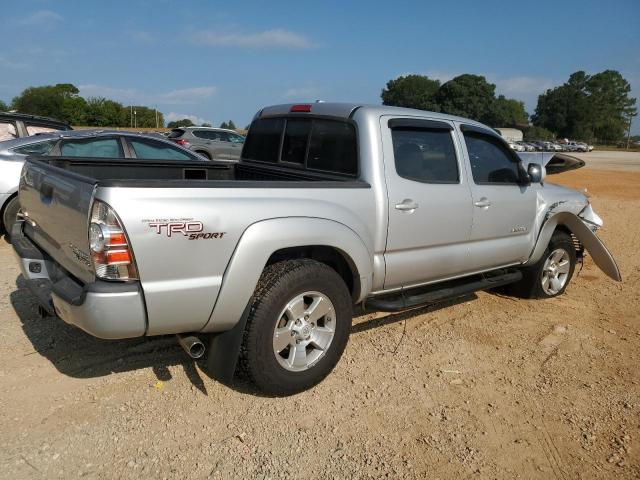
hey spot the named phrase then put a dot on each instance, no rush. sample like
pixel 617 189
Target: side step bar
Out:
pixel 421 296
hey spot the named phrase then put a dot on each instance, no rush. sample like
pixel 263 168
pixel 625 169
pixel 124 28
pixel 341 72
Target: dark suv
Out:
pixel 16 125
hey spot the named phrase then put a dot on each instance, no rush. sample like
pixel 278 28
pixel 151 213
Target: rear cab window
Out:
pixel 312 143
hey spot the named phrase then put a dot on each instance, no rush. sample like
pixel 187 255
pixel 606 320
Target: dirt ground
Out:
pixel 486 387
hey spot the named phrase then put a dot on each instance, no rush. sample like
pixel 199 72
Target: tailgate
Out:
pixel 56 205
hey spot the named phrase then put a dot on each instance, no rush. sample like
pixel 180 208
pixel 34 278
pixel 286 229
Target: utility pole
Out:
pixel 135 119
pixel 156 117
pixel 131 116
pixel 629 132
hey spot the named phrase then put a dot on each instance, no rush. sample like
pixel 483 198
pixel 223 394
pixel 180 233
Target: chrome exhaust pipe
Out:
pixel 192 345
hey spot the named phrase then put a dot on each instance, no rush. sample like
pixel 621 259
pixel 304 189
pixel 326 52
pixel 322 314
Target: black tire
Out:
pixel 279 284
pixel 9 214
pixel 531 284
pixel 204 154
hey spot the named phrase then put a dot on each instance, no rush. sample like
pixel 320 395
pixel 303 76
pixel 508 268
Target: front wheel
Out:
pixel 297 328
pixel 550 276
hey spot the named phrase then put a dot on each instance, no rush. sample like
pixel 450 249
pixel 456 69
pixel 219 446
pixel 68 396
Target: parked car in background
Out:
pixel 527 146
pixel 211 143
pixel 76 143
pixel 18 125
pixel 516 146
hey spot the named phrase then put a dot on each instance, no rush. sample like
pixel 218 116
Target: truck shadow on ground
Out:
pixel 77 354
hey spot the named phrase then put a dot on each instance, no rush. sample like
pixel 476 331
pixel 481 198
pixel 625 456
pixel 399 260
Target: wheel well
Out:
pixel 203 152
pixel 330 256
pixel 576 243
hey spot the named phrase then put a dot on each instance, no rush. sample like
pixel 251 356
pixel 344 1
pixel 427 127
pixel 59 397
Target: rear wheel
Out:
pixel 297 328
pixel 550 276
pixel 9 215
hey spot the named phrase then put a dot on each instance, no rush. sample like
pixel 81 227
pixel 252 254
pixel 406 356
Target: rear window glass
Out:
pixel 97 147
pixel 148 149
pixel 296 137
pixel 333 147
pixel 175 133
pixel 40 148
pixel 318 144
pixel 263 141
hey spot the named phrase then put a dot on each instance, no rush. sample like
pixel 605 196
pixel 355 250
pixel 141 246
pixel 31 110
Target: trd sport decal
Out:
pixel 188 227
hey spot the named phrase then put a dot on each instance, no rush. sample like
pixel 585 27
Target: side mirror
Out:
pixel 534 170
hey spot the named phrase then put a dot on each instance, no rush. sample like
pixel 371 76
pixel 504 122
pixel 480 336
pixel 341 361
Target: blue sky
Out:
pixel 216 61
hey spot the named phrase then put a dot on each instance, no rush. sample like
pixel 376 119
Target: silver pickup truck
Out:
pixel 331 206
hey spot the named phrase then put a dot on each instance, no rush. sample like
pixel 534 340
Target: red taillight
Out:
pixel 111 253
pixel 118 257
pixel 303 108
pixel 182 141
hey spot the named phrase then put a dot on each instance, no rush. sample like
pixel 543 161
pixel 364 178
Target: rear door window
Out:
pixel 7 131
pixel 148 149
pixel 92 147
pixel 201 133
pixel 425 155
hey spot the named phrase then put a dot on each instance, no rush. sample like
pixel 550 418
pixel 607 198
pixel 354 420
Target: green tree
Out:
pixel 101 112
pixel 58 101
pixel 143 117
pixel 205 124
pixel 231 125
pixel 507 112
pixel 411 91
pixel 468 96
pixel 185 122
pixel 593 108
pixel 3 106
pixel 538 133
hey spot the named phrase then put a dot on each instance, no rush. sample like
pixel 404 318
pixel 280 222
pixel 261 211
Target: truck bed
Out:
pixel 167 173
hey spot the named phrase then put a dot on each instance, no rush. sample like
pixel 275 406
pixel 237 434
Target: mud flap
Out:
pixel 224 350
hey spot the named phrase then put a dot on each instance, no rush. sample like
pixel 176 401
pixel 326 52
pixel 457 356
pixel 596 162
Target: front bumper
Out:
pixel 103 309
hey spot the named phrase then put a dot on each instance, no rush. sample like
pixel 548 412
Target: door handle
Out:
pixel 482 203
pixel 407 205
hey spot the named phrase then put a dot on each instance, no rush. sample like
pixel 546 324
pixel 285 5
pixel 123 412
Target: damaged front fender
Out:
pixel 601 256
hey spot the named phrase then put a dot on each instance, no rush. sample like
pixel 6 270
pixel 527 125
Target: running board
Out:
pixel 421 296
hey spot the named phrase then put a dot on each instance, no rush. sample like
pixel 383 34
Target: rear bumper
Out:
pixel 103 309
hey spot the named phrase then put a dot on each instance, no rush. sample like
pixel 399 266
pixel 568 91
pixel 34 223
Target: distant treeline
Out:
pixel 595 108
pixel 62 101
